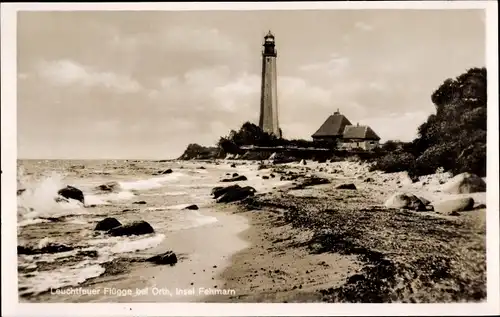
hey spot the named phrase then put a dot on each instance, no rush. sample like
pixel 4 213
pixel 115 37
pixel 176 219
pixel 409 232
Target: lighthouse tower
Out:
pixel 269 94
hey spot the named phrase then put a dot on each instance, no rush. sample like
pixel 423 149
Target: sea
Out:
pixel 143 193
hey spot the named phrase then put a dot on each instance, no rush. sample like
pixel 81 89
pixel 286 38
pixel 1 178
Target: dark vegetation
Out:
pixel 453 138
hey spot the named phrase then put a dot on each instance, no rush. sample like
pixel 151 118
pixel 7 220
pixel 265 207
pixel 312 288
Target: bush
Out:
pixel 394 162
pixel 453 138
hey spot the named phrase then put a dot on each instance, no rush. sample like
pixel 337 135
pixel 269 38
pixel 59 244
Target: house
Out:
pixel 359 137
pixel 332 129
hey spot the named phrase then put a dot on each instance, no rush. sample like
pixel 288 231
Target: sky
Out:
pixel 145 84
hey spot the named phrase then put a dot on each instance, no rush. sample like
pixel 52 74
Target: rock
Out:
pixel 167 171
pixel 89 253
pixel 219 191
pixel 111 186
pixel 48 248
pixel 141 202
pixel 303 162
pixel 233 165
pixel 201 168
pixel 261 167
pixel 192 207
pixel 107 224
pixel 134 228
pixel 369 180
pixel 265 177
pixel 311 181
pixel 454 205
pixel 405 201
pixel 169 258
pixel 235 174
pixel 236 194
pixel 234 179
pixel 272 176
pixel 346 186
pixel 424 201
pixel 71 192
pixel 480 206
pixel 20 191
pixel 465 183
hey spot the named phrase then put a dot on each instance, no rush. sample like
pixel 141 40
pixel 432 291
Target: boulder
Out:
pixel 424 201
pixel 134 228
pixel 169 258
pixel 234 179
pixel 192 207
pixel 465 183
pixel 167 171
pixel 311 181
pixel 265 177
pixel 111 186
pixel 20 191
pixel 219 190
pixel 346 186
pixel 303 162
pixel 369 180
pixel 405 201
pixel 141 202
pixel 454 205
pixel 233 165
pixel 107 224
pixel 71 192
pixel 236 194
pixel 235 174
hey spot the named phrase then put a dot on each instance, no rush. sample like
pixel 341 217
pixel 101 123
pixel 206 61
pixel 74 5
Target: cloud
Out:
pixel 71 73
pixel 363 26
pixel 388 127
pixel 335 66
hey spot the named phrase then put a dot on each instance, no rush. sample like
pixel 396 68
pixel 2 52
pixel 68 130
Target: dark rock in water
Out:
pixel 346 186
pixel 52 219
pixel 168 257
pixel 235 174
pixel 141 202
pixel 90 254
pixel 265 177
pixel 201 168
pixel 236 194
pixel 20 191
pixel 219 191
pixel 109 186
pixel 134 228
pixel 235 179
pixel 49 248
pixel 168 171
pixel 107 224
pixel 192 207
pixel 230 174
pixel 71 192
pixel 233 165
pixel 272 175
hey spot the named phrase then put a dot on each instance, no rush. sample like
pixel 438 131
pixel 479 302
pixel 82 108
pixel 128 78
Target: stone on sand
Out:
pixel 192 207
pixel 169 258
pixel 346 186
pixel 465 183
pixel 454 205
pixel 235 194
pixel 235 179
pixel 111 186
pixel 405 201
pixel 107 224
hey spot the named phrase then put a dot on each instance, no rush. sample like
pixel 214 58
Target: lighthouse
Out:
pixel 268 121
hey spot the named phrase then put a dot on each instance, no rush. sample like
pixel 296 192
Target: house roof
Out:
pixel 360 132
pixel 333 126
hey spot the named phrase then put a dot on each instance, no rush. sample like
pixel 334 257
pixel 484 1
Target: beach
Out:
pixel 295 240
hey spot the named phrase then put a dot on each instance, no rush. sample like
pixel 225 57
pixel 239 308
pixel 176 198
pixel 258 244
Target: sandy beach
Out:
pixel 330 245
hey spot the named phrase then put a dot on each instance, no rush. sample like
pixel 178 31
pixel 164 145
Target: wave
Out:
pixel 151 183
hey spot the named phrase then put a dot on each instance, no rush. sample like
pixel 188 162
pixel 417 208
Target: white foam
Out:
pixel 61 277
pixel 150 183
pixel 137 245
pixel 28 222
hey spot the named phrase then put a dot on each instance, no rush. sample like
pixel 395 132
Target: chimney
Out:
pixel 337 112
pixel 357 124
